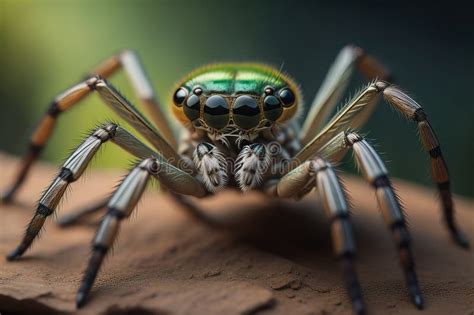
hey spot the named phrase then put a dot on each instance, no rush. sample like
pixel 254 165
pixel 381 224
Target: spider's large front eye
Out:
pixel 287 97
pixel 216 112
pixel 191 109
pixel 180 96
pixel 246 112
pixel 272 108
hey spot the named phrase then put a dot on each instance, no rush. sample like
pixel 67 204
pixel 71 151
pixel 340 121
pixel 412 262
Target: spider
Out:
pixel 239 130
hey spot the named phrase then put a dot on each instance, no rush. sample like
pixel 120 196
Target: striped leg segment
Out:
pixel 374 171
pixel 44 129
pixel 336 208
pixel 66 100
pixel 70 172
pixel 119 206
pixel 335 205
pixel 439 169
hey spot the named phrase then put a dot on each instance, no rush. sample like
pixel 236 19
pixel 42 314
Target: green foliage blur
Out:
pixel 45 46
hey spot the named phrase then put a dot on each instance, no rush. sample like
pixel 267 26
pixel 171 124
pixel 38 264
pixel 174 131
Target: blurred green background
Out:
pixel 45 46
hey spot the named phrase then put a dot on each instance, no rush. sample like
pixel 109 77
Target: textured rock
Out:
pixel 260 256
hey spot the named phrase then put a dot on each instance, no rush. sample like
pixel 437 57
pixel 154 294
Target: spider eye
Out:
pixel 272 108
pixel 216 112
pixel 269 90
pixel 197 90
pixel 180 96
pixel 287 97
pixel 246 112
pixel 193 104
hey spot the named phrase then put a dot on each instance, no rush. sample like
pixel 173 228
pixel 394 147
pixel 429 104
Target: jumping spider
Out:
pixel 241 131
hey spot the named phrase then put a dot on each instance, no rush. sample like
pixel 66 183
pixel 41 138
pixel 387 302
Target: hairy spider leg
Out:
pixel 170 176
pixel 76 215
pixel 374 171
pixel 320 173
pixel 122 203
pixel 410 110
pixel 67 99
pixel 349 59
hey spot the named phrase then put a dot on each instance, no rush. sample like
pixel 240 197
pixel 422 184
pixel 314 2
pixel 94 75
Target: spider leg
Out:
pixel 71 170
pixel 66 100
pixel 77 215
pixel 203 168
pixel 127 111
pixel 121 205
pixel 77 162
pixel 411 110
pixel 145 92
pixel 336 208
pixel 335 83
pixel 374 171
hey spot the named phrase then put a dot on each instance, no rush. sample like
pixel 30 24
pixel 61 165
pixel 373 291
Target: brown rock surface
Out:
pixel 263 257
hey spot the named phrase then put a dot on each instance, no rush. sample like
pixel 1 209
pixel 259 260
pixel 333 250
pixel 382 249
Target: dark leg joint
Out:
pixel 66 175
pixel 116 213
pixel 54 110
pixel 381 181
pixel 419 115
pixel 35 149
pixel 400 234
pixel 44 211
pixel 100 248
pixel 444 185
pixel 435 152
pixel 341 216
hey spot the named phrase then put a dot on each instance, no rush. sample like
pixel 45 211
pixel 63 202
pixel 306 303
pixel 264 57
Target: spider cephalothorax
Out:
pixel 235 99
pixel 240 130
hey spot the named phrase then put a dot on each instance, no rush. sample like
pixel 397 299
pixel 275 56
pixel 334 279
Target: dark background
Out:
pixel 45 46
